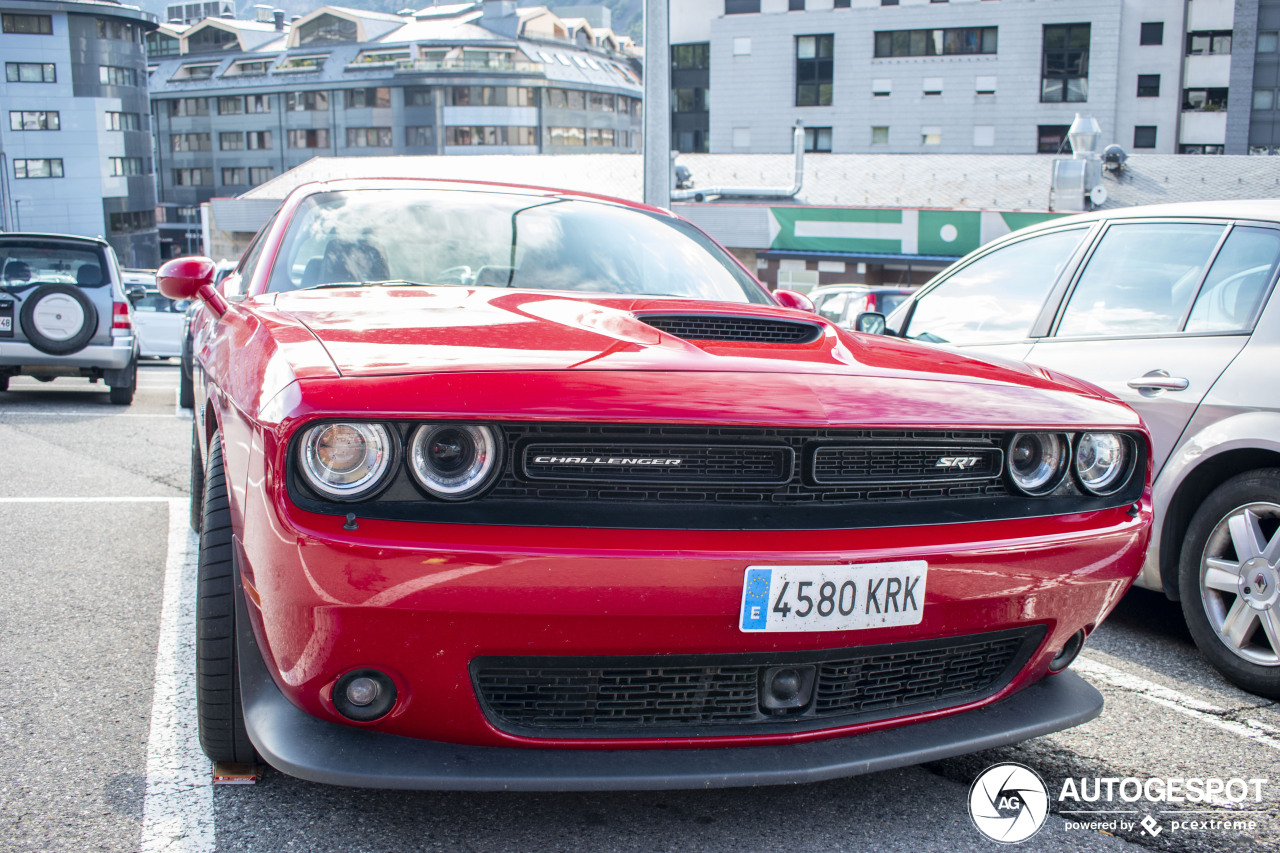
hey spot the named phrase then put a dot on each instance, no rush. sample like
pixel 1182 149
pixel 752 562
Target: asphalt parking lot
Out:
pixel 97 720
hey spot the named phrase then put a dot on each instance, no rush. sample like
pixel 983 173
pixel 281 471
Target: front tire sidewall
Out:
pixel 1243 489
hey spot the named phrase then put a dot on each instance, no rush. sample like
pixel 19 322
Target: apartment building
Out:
pixel 236 103
pixel 975 76
pixel 75 137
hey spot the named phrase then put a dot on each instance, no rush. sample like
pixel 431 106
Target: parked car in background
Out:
pixel 1172 309
pixel 186 378
pixel 158 319
pixel 842 303
pixel 539 490
pixel 64 312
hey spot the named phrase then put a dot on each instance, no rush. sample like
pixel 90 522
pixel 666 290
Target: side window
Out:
pixel 237 284
pixel 833 306
pixel 997 297
pixel 1237 281
pixel 1140 280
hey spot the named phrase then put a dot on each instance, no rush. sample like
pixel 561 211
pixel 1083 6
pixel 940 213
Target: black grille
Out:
pixel 674 696
pixel 889 463
pixel 625 463
pixel 713 327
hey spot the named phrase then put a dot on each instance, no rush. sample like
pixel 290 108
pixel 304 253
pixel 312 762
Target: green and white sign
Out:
pixel 892 231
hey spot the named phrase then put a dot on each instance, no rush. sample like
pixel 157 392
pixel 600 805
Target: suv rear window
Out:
pixel 30 263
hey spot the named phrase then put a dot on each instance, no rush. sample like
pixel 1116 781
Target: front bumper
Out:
pixel 319 751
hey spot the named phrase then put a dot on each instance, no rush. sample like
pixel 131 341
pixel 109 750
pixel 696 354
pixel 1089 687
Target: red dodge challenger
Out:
pixel 510 488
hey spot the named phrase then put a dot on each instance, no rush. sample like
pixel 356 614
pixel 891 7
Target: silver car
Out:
pixel 1170 308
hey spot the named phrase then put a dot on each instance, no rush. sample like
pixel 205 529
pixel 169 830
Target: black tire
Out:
pixel 220 716
pixel 197 481
pixel 1239 647
pixel 122 395
pixel 4 383
pixel 186 389
pixel 58 345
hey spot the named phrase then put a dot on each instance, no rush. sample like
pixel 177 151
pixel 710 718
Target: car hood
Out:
pixel 389 331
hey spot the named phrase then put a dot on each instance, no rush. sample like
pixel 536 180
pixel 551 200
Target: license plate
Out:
pixel 6 319
pixel 833 598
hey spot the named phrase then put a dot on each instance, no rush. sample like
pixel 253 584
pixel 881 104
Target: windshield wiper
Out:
pixel 391 282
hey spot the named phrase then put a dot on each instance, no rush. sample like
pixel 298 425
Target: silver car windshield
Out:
pixel 488 239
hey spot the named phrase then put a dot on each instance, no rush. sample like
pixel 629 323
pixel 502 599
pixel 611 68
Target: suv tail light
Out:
pixel 120 321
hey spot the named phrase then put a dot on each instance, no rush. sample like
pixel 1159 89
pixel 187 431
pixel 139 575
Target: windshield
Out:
pixel 488 239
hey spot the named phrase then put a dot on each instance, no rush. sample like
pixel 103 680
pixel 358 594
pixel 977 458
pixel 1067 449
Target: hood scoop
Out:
pixel 726 327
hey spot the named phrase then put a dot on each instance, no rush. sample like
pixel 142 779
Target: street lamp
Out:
pixel 17 214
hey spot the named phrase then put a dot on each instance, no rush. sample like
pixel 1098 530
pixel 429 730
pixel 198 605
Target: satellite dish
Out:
pixel 1098 195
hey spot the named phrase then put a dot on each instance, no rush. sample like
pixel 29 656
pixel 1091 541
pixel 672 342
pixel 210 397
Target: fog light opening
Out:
pixel 364 695
pixel 786 689
pixel 1068 653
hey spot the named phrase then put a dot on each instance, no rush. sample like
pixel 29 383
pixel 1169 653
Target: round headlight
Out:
pixel 1037 461
pixel 345 460
pixel 1103 461
pixel 454 461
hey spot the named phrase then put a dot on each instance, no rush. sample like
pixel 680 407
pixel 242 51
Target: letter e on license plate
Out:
pixel 833 598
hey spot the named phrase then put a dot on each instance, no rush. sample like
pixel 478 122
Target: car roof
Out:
pixel 39 235
pixel 1259 209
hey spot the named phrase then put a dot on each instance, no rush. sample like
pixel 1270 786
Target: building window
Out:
pixel 30 72
pixel 1152 33
pixel 842 4
pixel 33 120
pixel 795 5
pixel 1051 138
pixel 308 101
pixel 1263 99
pixel 45 168
pixel 741 7
pixel 1065 64
pixel 368 137
pixel 122 121
pixel 879 135
pixel 600 137
pixel 1144 136
pixel 365 98
pixel 210 39
pixel 566 99
pixel 417 96
pixel 233 176
pixel 231 106
pixel 1148 85
pixel 420 137
pixel 1204 100
pixel 327 28
pixel 500 135
pixel 259 140
pixel 1201 149
pixel 260 175
pixel 247 69
pixel 570 136
pixel 600 102
pixel 122 166
pixel 493 96
pixel 231 141
pixel 195 72
pixel 815 70
pixel 257 104
pixel 189 142
pixel 193 177
pixel 187 107
pixel 984 86
pixel 159 44
pixel 689 100
pixel 1208 42
pixel 952 42
pixel 817 140
pixel 691 57
pixel 132 221
pixel 309 138
pixel 881 87
pixel 888 2
pixel 691 141
pixel 931 135
pixel 931 86
pixel 33 25
pixel 1268 42
pixel 117 30
pixel 112 75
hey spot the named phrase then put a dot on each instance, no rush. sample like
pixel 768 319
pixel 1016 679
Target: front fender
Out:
pixel 1202 445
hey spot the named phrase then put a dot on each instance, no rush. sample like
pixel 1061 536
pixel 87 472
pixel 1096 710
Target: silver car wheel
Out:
pixel 1240 582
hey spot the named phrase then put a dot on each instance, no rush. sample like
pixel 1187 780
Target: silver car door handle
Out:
pixel 1160 380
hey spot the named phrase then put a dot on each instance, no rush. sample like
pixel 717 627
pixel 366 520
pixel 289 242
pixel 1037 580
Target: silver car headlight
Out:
pixel 1037 461
pixel 346 460
pixel 1103 461
pixel 454 461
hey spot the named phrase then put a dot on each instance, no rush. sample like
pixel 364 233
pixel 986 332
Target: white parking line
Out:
pixel 105 413
pixel 85 500
pixel 177 815
pixel 1175 701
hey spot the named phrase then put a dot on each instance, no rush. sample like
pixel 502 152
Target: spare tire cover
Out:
pixel 58 319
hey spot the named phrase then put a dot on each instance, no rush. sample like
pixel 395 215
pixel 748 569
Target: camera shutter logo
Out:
pixel 1008 803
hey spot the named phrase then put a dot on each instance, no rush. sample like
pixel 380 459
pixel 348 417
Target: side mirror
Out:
pixel 871 323
pixel 191 278
pixel 793 299
pixel 136 294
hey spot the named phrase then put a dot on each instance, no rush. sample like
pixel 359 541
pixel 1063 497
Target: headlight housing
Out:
pixel 454 461
pixel 346 460
pixel 1037 461
pixel 1103 462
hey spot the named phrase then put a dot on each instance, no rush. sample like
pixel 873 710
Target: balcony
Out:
pixel 1203 128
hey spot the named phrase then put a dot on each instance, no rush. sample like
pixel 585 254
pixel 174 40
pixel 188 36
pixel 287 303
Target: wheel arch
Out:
pixel 1199 465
